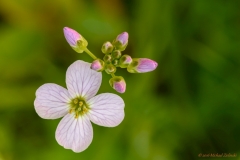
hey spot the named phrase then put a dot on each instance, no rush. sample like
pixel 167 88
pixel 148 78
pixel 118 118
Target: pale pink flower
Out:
pixel 78 105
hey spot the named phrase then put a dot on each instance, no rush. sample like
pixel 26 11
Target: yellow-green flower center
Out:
pixel 78 106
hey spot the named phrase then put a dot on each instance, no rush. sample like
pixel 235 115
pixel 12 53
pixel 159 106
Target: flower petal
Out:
pixel 106 109
pixel 51 101
pixel 74 133
pixel 82 81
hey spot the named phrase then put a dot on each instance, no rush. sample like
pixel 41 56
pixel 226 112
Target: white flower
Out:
pixel 78 106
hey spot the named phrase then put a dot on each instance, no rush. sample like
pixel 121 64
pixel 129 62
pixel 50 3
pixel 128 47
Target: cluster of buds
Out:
pixel 112 59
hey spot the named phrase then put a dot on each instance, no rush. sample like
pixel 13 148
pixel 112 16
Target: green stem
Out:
pixel 90 53
pixel 112 74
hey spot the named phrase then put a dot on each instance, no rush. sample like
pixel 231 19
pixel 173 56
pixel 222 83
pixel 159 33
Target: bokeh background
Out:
pixel 189 105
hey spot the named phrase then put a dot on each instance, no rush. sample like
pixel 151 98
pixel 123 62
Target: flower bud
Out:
pixel 121 41
pixel 118 83
pixel 75 40
pixel 142 65
pixel 107 47
pixel 107 58
pixel 124 61
pixel 110 69
pixel 115 62
pixel 116 54
pixel 98 65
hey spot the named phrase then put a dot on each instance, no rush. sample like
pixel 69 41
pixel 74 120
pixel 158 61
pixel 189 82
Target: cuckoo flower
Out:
pixel 78 105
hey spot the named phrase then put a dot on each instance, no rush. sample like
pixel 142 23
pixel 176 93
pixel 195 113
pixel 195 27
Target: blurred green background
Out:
pixel 189 105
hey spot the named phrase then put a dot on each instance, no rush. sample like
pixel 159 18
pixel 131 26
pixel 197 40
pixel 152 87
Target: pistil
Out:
pixel 79 106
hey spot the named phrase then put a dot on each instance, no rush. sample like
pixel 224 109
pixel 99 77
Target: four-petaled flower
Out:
pixel 78 106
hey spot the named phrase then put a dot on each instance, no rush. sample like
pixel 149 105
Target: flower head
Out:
pixel 142 65
pixel 75 40
pixel 118 83
pixel 78 105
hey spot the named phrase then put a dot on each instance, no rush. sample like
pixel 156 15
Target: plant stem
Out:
pixel 90 54
pixel 112 74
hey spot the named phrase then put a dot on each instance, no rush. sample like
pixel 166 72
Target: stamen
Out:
pixel 84 109
pixel 75 101
pixel 78 107
pixel 76 114
pixel 80 103
pixel 70 111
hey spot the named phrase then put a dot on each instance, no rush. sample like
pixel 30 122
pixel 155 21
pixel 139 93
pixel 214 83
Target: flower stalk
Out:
pixel 90 54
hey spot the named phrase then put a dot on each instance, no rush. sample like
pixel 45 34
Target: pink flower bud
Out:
pixel 75 40
pixel 107 47
pixel 118 83
pixel 71 36
pixel 121 41
pixel 142 65
pixel 123 38
pixel 124 61
pixel 97 65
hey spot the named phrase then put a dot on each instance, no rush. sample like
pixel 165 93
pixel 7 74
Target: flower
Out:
pixel 75 40
pixel 78 105
pixel 118 83
pixel 142 65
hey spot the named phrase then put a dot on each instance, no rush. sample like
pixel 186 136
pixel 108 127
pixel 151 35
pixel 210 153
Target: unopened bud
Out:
pixel 98 65
pixel 118 83
pixel 107 47
pixel 142 65
pixel 124 61
pixel 110 69
pixel 75 40
pixel 115 62
pixel 116 54
pixel 107 58
pixel 121 41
